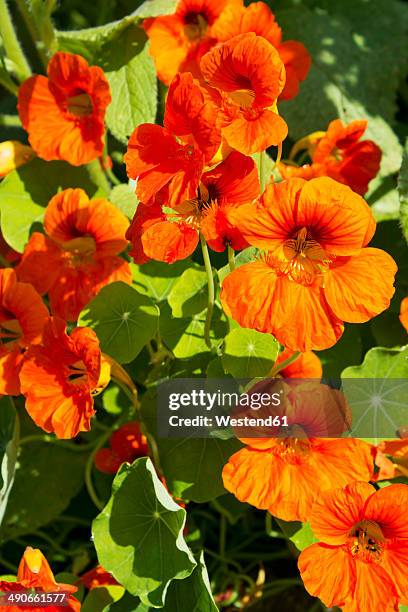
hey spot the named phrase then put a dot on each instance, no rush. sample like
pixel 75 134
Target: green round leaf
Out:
pixel 123 319
pixel 248 353
pixel 139 535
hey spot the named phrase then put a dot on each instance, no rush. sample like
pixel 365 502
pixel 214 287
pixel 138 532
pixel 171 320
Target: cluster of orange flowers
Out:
pixel 227 69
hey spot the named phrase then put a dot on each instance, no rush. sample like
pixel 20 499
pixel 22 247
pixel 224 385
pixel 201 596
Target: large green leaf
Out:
pixel 357 63
pixel 189 294
pixel 377 392
pixel 25 193
pixel 248 353
pixel 157 278
pixel 121 49
pixel 123 319
pixel 139 535
pixel 403 191
pixel 47 477
pixel 101 598
pixel 9 434
pixel 193 594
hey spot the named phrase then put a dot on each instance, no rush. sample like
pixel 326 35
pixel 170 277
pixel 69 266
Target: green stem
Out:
pixel 231 258
pixel 223 535
pixel 97 175
pixel 76 448
pixel 8 84
pixel 10 121
pixel 10 566
pixel 11 44
pixel 88 472
pixel 211 291
pixel 281 366
pixel 28 18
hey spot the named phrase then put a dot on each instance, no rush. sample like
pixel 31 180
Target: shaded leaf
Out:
pixel 123 319
pixel 189 294
pixel 157 278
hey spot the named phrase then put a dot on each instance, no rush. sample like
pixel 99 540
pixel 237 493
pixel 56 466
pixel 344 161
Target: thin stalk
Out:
pixel 98 175
pixel 88 472
pixel 10 566
pixel 231 258
pixel 11 44
pixel 31 27
pixel 10 120
pixel 76 448
pixel 281 366
pixel 8 84
pixel 211 291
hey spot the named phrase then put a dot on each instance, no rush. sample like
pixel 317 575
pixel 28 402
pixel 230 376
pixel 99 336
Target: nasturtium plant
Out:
pixel 203 305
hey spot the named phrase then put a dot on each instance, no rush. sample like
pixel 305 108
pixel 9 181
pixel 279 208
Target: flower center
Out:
pixel 366 540
pixel 303 258
pixel 243 97
pixel 80 105
pixel 80 250
pixel 294 449
pixel 195 27
pixel 10 330
pixel 77 373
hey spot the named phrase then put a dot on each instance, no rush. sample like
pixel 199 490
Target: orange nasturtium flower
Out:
pixel 78 255
pixel 173 157
pixel 307 365
pixel 60 377
pixel 13 154
pixel 361 559
pixel 340 154
pixel 404 313
pixel 258 18
pixel 97 577
pixel 316 268
pixel 34 572
pixel 178 41
pixel 286 473
pixel 64 114
pixel 126 444
pixel 391 459
pixel 22 319
pixel 172 234
pixel 249 76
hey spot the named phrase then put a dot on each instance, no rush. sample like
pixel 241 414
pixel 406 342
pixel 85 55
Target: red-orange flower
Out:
pixel 22 319
pixel 391 459
pixel 249 74
pixel 285 474
pixel 258 18
pixel 307 365
pixel 34 572
pixel 172 158
pixel 174 235
pixel 64 113
pixel 126 444
pixel 316 270
pixel 361 560
pixel 341 154
pixel 97 577
pixel 404 313
pixel 59 378
pixel 78 255
pixel 178 41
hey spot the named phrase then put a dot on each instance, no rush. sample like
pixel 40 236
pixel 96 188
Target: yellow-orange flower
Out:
pixel 316 270
pixel 361 560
